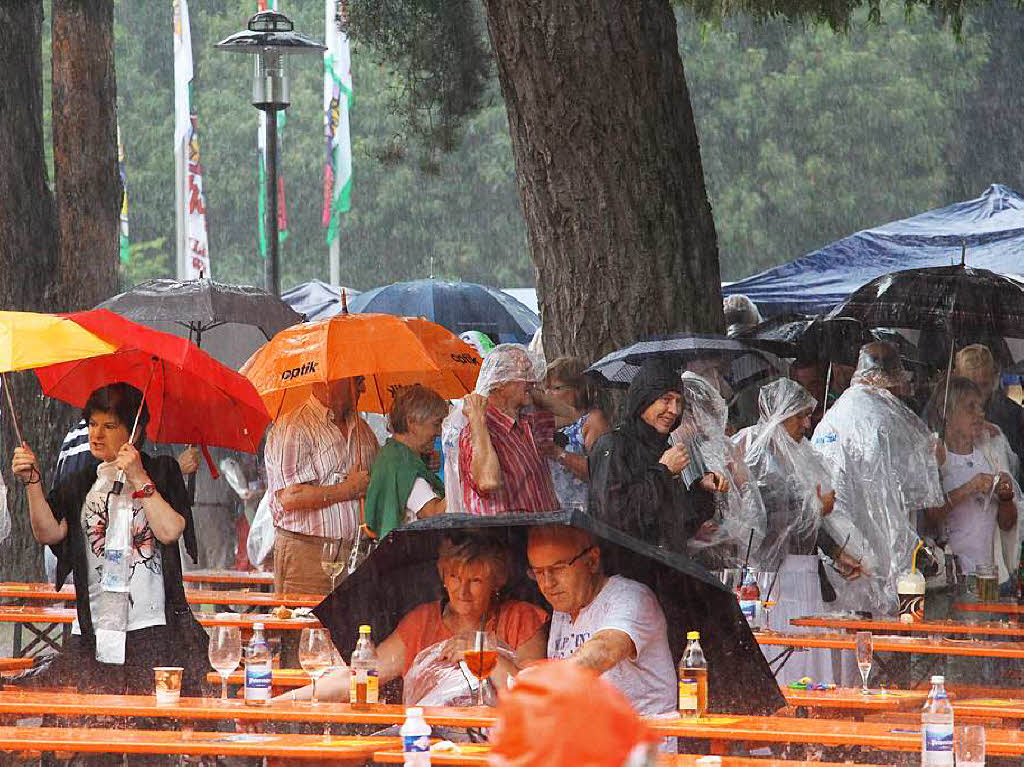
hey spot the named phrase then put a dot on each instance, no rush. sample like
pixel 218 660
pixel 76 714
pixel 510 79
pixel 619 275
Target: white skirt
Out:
pixel 798 594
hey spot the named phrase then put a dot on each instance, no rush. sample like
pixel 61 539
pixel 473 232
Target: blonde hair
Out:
pixel 457 551
pixel 976 357
pixel 415 403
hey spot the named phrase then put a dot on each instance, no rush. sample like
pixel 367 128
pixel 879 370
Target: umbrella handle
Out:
pixel 119 481
pixel 10 404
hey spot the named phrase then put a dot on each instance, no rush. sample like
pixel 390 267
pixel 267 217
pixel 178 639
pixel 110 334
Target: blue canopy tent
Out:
pixel 991 227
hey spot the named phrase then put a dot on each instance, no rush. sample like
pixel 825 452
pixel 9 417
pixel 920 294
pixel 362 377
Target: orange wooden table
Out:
pixel 229 578
pixel 897 644
pixel 990 628
pixel 1010 608
pixel 722 730
pixel 851 702
pixel 470 755
pixel 340 750
pixel 15 664
pixel 44 592
pixel 59 619
pixel 30 703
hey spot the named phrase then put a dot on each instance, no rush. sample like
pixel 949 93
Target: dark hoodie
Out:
pixel 629 488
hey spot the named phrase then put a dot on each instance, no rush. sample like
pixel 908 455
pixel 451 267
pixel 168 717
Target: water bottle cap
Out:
pixel 414 711
pixel 693 635
pixel 257 627
pixel 938 679
pixel 364 629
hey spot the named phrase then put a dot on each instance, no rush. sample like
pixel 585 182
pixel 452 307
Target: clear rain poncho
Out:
pixel 881 457
pixel 504 363
pixel 788 473
pixel 739 510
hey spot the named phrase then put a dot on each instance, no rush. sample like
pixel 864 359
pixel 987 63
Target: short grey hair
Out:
pixel 415 403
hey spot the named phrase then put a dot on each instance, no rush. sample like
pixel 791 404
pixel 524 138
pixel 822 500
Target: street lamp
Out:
pixel 270 35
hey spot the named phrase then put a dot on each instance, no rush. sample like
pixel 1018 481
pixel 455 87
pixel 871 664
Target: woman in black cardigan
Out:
pixel 152 623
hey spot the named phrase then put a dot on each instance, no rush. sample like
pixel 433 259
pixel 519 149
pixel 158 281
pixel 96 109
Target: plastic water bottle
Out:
pixel 693 678
pixel 363 689
pixel 415 734
pixel 749 597
pixel 257 669
pixel 937 727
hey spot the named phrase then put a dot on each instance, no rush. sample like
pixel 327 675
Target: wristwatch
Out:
pixel 145 491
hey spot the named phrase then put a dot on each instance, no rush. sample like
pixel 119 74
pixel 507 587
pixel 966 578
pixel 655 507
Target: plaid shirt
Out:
pixel 525 477
pixel 306 447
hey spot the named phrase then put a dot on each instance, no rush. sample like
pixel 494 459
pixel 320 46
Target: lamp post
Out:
pixel 270 36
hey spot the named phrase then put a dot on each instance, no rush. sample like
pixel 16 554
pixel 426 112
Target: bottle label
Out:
pixel 363 687
pixel 938 744
pixel 749 609
pixel 372 692
pixel 415 744
pixel 257 682
pixel 688 696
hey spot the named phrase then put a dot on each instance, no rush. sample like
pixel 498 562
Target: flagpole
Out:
pixel 179 208
pixel 335 259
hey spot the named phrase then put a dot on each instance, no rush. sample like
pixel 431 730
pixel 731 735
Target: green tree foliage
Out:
pixel 808 136
pixel 414 211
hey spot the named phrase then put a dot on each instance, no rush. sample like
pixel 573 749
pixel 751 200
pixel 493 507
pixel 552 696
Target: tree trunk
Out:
pixel 609 171
pixel 37 275
pixel 88 187
pixel 28 252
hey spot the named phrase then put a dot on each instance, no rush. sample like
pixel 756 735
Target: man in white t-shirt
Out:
pixel 611 625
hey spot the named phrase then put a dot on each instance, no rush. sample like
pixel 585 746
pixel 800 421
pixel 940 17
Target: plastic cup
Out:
pixel 969 746
pixel 168 684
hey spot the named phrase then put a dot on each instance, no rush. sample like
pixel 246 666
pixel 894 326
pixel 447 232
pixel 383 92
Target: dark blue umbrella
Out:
pixel 458 306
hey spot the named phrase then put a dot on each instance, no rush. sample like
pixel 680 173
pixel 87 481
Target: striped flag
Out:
pixel 261 143
pixel 125 245
pixel 186 132
pixel 337 100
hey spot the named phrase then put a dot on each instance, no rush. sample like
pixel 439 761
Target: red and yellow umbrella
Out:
pixel 388 351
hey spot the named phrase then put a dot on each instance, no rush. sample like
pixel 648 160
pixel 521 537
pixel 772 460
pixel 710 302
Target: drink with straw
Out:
pixel 481 659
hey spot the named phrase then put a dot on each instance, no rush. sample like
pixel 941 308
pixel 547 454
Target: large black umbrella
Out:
pixel 200 306
pixel 957 304
pixel 458 306
pixel 402 573
pixel 745 363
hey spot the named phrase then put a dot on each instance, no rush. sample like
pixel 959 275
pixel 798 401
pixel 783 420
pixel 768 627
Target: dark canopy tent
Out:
pixel 991 227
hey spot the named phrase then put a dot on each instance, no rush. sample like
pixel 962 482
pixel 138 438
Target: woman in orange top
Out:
pixel 474 569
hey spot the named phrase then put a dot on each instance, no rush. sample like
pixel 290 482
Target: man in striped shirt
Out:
pixel 502 467
pixel 318 458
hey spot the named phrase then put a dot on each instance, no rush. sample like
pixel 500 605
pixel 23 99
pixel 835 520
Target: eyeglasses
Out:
pixel 556 570
pixel 563 387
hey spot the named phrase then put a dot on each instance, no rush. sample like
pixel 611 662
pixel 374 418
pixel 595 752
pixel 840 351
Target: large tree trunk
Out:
pixel 88 187
pixel 28 252
pixel 609 170
pixel 36 274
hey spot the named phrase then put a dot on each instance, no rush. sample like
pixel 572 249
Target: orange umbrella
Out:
pixel 389 352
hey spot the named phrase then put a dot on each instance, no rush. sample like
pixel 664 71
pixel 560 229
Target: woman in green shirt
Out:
pixel 402 488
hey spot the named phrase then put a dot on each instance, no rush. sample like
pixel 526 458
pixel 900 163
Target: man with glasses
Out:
pixel 609 624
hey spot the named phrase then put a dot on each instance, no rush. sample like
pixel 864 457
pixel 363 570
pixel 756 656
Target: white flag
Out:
pixel 197 255
pixel 337 100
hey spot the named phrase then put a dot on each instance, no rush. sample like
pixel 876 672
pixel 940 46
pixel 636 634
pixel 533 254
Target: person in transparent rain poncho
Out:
pixel 721 542
pixel 796 489
pixel 979 521
pixel 496 439
pixel 883 462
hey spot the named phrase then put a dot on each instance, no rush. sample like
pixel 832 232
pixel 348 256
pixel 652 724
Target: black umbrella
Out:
pixel 402 573
pixel 199 306
pixel 458 306
pixel 746 364
pixel 809 338
pixel 961 303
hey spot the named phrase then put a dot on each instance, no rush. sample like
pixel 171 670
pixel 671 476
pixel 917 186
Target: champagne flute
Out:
pixel 315 655
pixel 480 659
pixel 864 658
pixel 225 653
pixel 331 561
